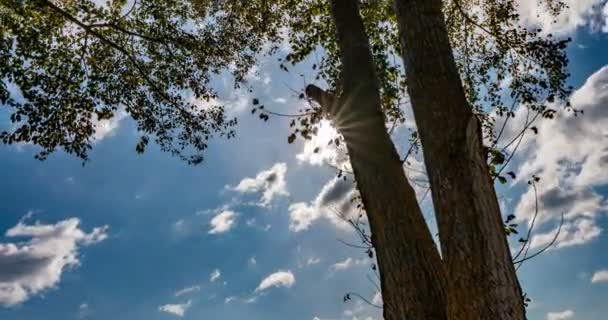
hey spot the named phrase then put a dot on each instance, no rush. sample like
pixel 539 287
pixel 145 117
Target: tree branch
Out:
pixel 326 100
pixel 559 229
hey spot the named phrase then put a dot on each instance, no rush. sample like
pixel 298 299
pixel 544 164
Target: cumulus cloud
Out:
pixel 270 183
pixel 579 13
pixel 563 315
pixel 569 153
pixel 302 215
pixel 187 290
pixel 278 279
pixel 222 222
pixel 215 275
pixel 30 267
pixel 571 234
pixel 176 309
pixel 600 276
pixel 335 199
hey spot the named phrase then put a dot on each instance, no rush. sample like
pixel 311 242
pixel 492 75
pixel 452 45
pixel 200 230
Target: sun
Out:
pixel 325 132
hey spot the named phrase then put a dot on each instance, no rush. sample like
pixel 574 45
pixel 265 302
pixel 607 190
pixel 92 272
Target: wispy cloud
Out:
pixel 278 279
pixel 600 276
pixel 346 264
pixel 178 310
pixel 187 290
pixel 215 275
pixel 312 261
pixel 562 315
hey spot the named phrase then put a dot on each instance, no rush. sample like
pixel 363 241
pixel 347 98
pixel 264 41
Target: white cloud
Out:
pixel 215 275
pixel 176 309
pixel 335 198
pixel 302 216
pixel 377 300
pixel 222 222
pixel 312 261
pixel 580 13
pixel 84 311
pixel 30 267
pixel 234 101
pixel 187 290
pixel 252 261
pixel 250 300
pixel 278 279
pixel 346 264
pixel 360 310
pixel 107 127
pixel 605 18
pixel 238 102
pixel 563 315
pixel 600 276
pixel 572 234
pixel 570 155
pixel 271 183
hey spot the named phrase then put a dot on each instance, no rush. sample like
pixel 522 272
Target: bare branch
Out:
pixel 364 299
pixel 559 229
pixel 326 100
pixel 527 239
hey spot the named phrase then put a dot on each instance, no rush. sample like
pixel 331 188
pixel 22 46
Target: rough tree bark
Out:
pixel 408 260
pixel 480 277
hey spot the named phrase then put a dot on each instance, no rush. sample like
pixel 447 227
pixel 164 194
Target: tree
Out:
pixel 410 266
pixel 148 57
pixel 478 285
pixel 480 277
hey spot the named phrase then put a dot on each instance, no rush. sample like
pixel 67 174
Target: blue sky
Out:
pixel 248 233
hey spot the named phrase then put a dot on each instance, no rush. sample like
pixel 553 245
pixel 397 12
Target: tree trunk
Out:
pixel 408 260
pixel 480 277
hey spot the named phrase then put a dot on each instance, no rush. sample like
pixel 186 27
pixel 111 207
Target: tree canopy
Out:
pixel 67 64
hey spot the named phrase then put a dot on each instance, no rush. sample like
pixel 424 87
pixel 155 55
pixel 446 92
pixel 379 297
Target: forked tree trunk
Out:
pixel 408 260
pixel 480 277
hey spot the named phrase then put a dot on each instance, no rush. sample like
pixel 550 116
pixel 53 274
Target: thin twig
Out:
pixel 527 239
pixel 364 299
pixel 520 262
